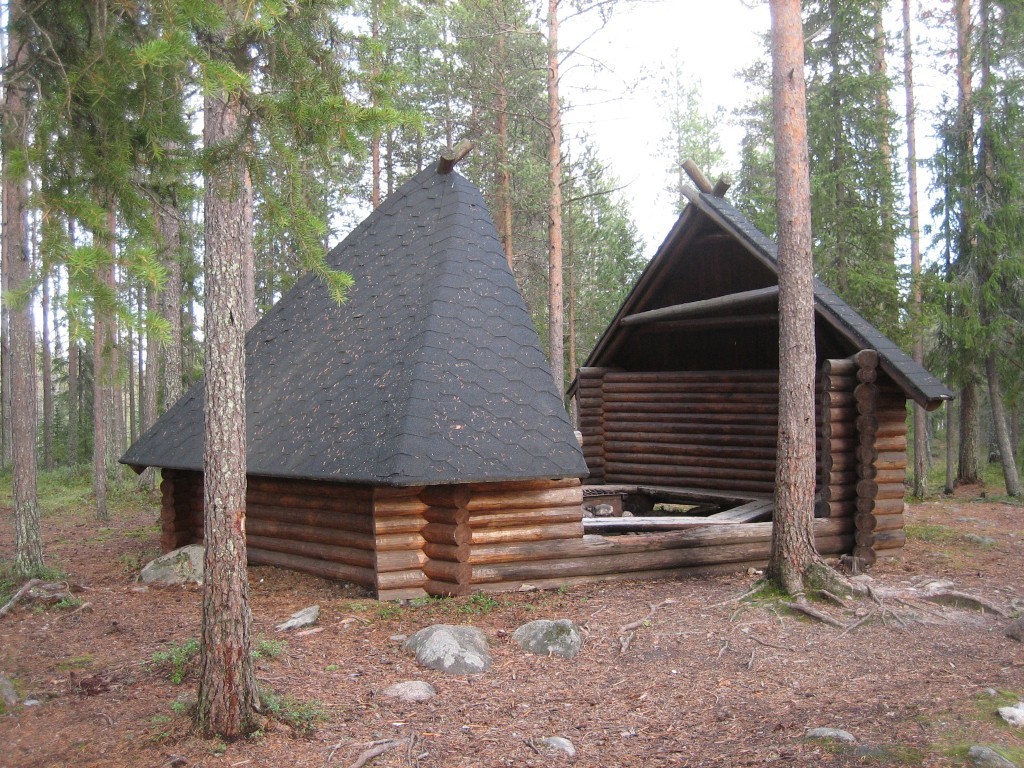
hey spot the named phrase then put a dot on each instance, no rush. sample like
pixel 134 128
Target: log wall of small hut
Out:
pixel 718 430
pixel 320 528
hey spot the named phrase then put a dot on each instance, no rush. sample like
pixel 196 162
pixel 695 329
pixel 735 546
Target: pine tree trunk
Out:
pixel 985 257
pixel 556 306
pixel 47 361
pixel 169 303
pixel 6 425
pixel 116 443
pixel 102 374
pixel 995 396
pixel 133 423
pixel 248 255
pixel 74 400
pixel 150 380
pixel 227 687
pixel 792 552
pixel 920 415
pixel 968 464
pixel 28 548
pixel 951 415
pixel 501 155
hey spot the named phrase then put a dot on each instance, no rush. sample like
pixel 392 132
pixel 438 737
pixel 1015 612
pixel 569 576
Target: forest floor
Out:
pixel 708 679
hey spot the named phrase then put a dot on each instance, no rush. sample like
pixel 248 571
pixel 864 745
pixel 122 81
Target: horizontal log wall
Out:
pixel 588 398
pixel 325 529
pixel 509 522
pixel 321 528
pixel 698 429
pixel 720 548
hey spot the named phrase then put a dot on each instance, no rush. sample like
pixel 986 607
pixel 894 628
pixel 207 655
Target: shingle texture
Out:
pixel 431 372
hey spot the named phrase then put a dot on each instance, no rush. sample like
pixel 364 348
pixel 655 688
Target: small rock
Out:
pixel 32 703
pixel 1013 715
pixel 832 734
pixel 304 618
pixel 180 566
pixel 8 696
pixel 527 588
pixel 549 638
pixel 1016 630
pixel 411 691
pixel 986 757
pixel 457 650
pixel 398 638
pixel 991 692
pixel 559 744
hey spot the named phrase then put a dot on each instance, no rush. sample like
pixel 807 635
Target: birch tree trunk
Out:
pixel 792 552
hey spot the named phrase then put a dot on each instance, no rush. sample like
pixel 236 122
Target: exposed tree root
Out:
pixel 25 589
pixel 377 750
pixel 627 631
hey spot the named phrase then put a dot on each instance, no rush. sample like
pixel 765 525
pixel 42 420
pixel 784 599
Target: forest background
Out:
pixel 103 163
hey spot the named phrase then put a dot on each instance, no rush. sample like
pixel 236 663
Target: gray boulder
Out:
pixel 1016 630
pixel 986 757
pixel 456 650
pixel 1013 715
pixel 558 744
pixel 307 617
pixel 8 696
pixel 180 566
pixel 831 734
pixel 410 691
pixel 549 638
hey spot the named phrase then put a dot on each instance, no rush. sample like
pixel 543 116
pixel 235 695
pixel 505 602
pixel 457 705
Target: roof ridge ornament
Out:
pixel 450 157
pixel 699 179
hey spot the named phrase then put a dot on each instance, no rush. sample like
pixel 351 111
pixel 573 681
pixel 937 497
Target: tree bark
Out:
pixel 227 688
pixel 556 306
pixel 169 304
pixel 968 470
pixel 501 156
pixel 995 396
pixel 792 552
pixel 102 374
pixel 917 295
pixel 28 548
pixel 74 399
pixel 47 371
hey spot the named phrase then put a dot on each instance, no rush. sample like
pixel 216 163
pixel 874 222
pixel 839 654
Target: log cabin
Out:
pixel 678 404
pixel 412 440
pixel 393 438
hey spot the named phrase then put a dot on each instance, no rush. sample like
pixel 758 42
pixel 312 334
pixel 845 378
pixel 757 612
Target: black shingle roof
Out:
pixel 916 382
pixel 431 372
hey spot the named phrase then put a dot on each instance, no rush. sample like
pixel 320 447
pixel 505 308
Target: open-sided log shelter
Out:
pixel 412 439
pixel 399 438
pixel 679 400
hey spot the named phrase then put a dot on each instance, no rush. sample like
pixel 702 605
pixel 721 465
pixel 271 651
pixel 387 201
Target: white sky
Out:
pixel 714 40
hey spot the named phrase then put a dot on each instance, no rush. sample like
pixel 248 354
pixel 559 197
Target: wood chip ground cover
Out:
pixel 705 680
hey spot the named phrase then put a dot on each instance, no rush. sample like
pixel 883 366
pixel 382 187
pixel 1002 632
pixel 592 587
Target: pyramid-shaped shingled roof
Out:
pixel 430 373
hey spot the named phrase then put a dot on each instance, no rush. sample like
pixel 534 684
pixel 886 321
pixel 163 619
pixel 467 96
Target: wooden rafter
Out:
pixel 731 301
